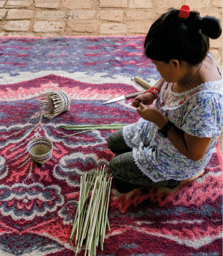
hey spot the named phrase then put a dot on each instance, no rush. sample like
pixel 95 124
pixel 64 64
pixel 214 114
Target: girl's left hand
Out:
pixel 152 114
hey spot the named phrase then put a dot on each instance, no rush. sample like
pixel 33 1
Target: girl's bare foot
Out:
pixel 182 182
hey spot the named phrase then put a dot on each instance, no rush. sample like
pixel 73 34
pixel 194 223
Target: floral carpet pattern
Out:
pixel 38 203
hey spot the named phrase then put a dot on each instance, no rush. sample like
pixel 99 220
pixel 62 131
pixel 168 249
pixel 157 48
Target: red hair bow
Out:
pixel 184 12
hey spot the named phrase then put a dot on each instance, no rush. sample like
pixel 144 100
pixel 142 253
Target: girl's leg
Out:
pixel 182 182
pixel 124 168
pixel 116 143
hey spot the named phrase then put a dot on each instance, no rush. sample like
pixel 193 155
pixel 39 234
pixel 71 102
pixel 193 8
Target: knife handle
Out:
pixel 133 95
pixel 142 82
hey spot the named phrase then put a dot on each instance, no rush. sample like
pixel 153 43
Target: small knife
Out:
pixel 123 97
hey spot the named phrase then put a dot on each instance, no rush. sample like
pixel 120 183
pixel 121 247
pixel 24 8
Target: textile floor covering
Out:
pixel 38 203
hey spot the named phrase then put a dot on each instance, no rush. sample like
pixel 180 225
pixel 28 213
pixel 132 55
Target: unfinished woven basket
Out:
pixel 54 103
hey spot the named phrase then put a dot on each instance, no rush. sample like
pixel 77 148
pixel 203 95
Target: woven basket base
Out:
pixel 39 150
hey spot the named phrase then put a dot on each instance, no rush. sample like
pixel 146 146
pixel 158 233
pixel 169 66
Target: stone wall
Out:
pixel 95 17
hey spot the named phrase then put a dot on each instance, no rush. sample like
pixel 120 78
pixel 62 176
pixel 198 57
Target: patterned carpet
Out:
pixel 38 203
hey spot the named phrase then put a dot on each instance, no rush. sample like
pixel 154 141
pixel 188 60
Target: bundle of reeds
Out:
pixel 91 217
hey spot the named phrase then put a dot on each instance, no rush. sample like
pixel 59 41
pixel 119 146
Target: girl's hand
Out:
pixel 146 98
pixel 152 114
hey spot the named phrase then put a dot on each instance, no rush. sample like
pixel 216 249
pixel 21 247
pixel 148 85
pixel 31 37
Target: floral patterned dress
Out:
pixel 198 112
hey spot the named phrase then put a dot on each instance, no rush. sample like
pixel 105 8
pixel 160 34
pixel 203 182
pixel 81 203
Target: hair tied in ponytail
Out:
pixel 184 12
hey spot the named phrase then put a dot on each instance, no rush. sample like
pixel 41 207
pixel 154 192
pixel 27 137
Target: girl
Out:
pixel 173 141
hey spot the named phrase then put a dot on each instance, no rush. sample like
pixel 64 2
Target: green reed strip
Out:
pixel 91 127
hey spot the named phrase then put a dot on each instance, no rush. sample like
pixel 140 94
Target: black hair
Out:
pixel 171 37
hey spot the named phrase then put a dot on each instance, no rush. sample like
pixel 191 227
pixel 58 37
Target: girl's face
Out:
pixel 166 70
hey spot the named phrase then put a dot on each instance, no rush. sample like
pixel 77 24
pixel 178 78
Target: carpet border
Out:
pixel 107 36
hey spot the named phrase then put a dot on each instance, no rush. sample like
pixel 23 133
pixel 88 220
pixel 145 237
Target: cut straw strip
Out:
pixel 96 128
pixel 88 128
pixel 81 220
pixel 79 207
pixel 105 216
pixel 87 216
pixel 109 192
pixel 85 130
pixel 76 133
pixel 80 126
pixel 92 228
pixel 102 206
pixel 90 183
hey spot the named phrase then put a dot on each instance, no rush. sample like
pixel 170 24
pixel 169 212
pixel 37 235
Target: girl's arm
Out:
pixel 147 98
pixel 192 147
pixel 159 83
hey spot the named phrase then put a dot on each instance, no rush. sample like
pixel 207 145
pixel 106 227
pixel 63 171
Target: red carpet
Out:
pixel 38 203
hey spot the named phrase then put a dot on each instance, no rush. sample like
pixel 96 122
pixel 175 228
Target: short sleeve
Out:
pixel 203 115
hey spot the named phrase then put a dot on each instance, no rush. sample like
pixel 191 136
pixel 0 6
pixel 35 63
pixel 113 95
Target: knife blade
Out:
pixel 123 97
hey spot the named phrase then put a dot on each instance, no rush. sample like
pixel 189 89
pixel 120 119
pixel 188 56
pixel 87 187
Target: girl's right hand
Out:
pixel 146 98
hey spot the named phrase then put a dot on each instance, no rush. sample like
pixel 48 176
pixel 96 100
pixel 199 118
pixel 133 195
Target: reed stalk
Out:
pixel 91 127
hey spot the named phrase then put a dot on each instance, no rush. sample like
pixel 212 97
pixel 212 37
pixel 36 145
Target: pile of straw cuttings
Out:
pixel 91 218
